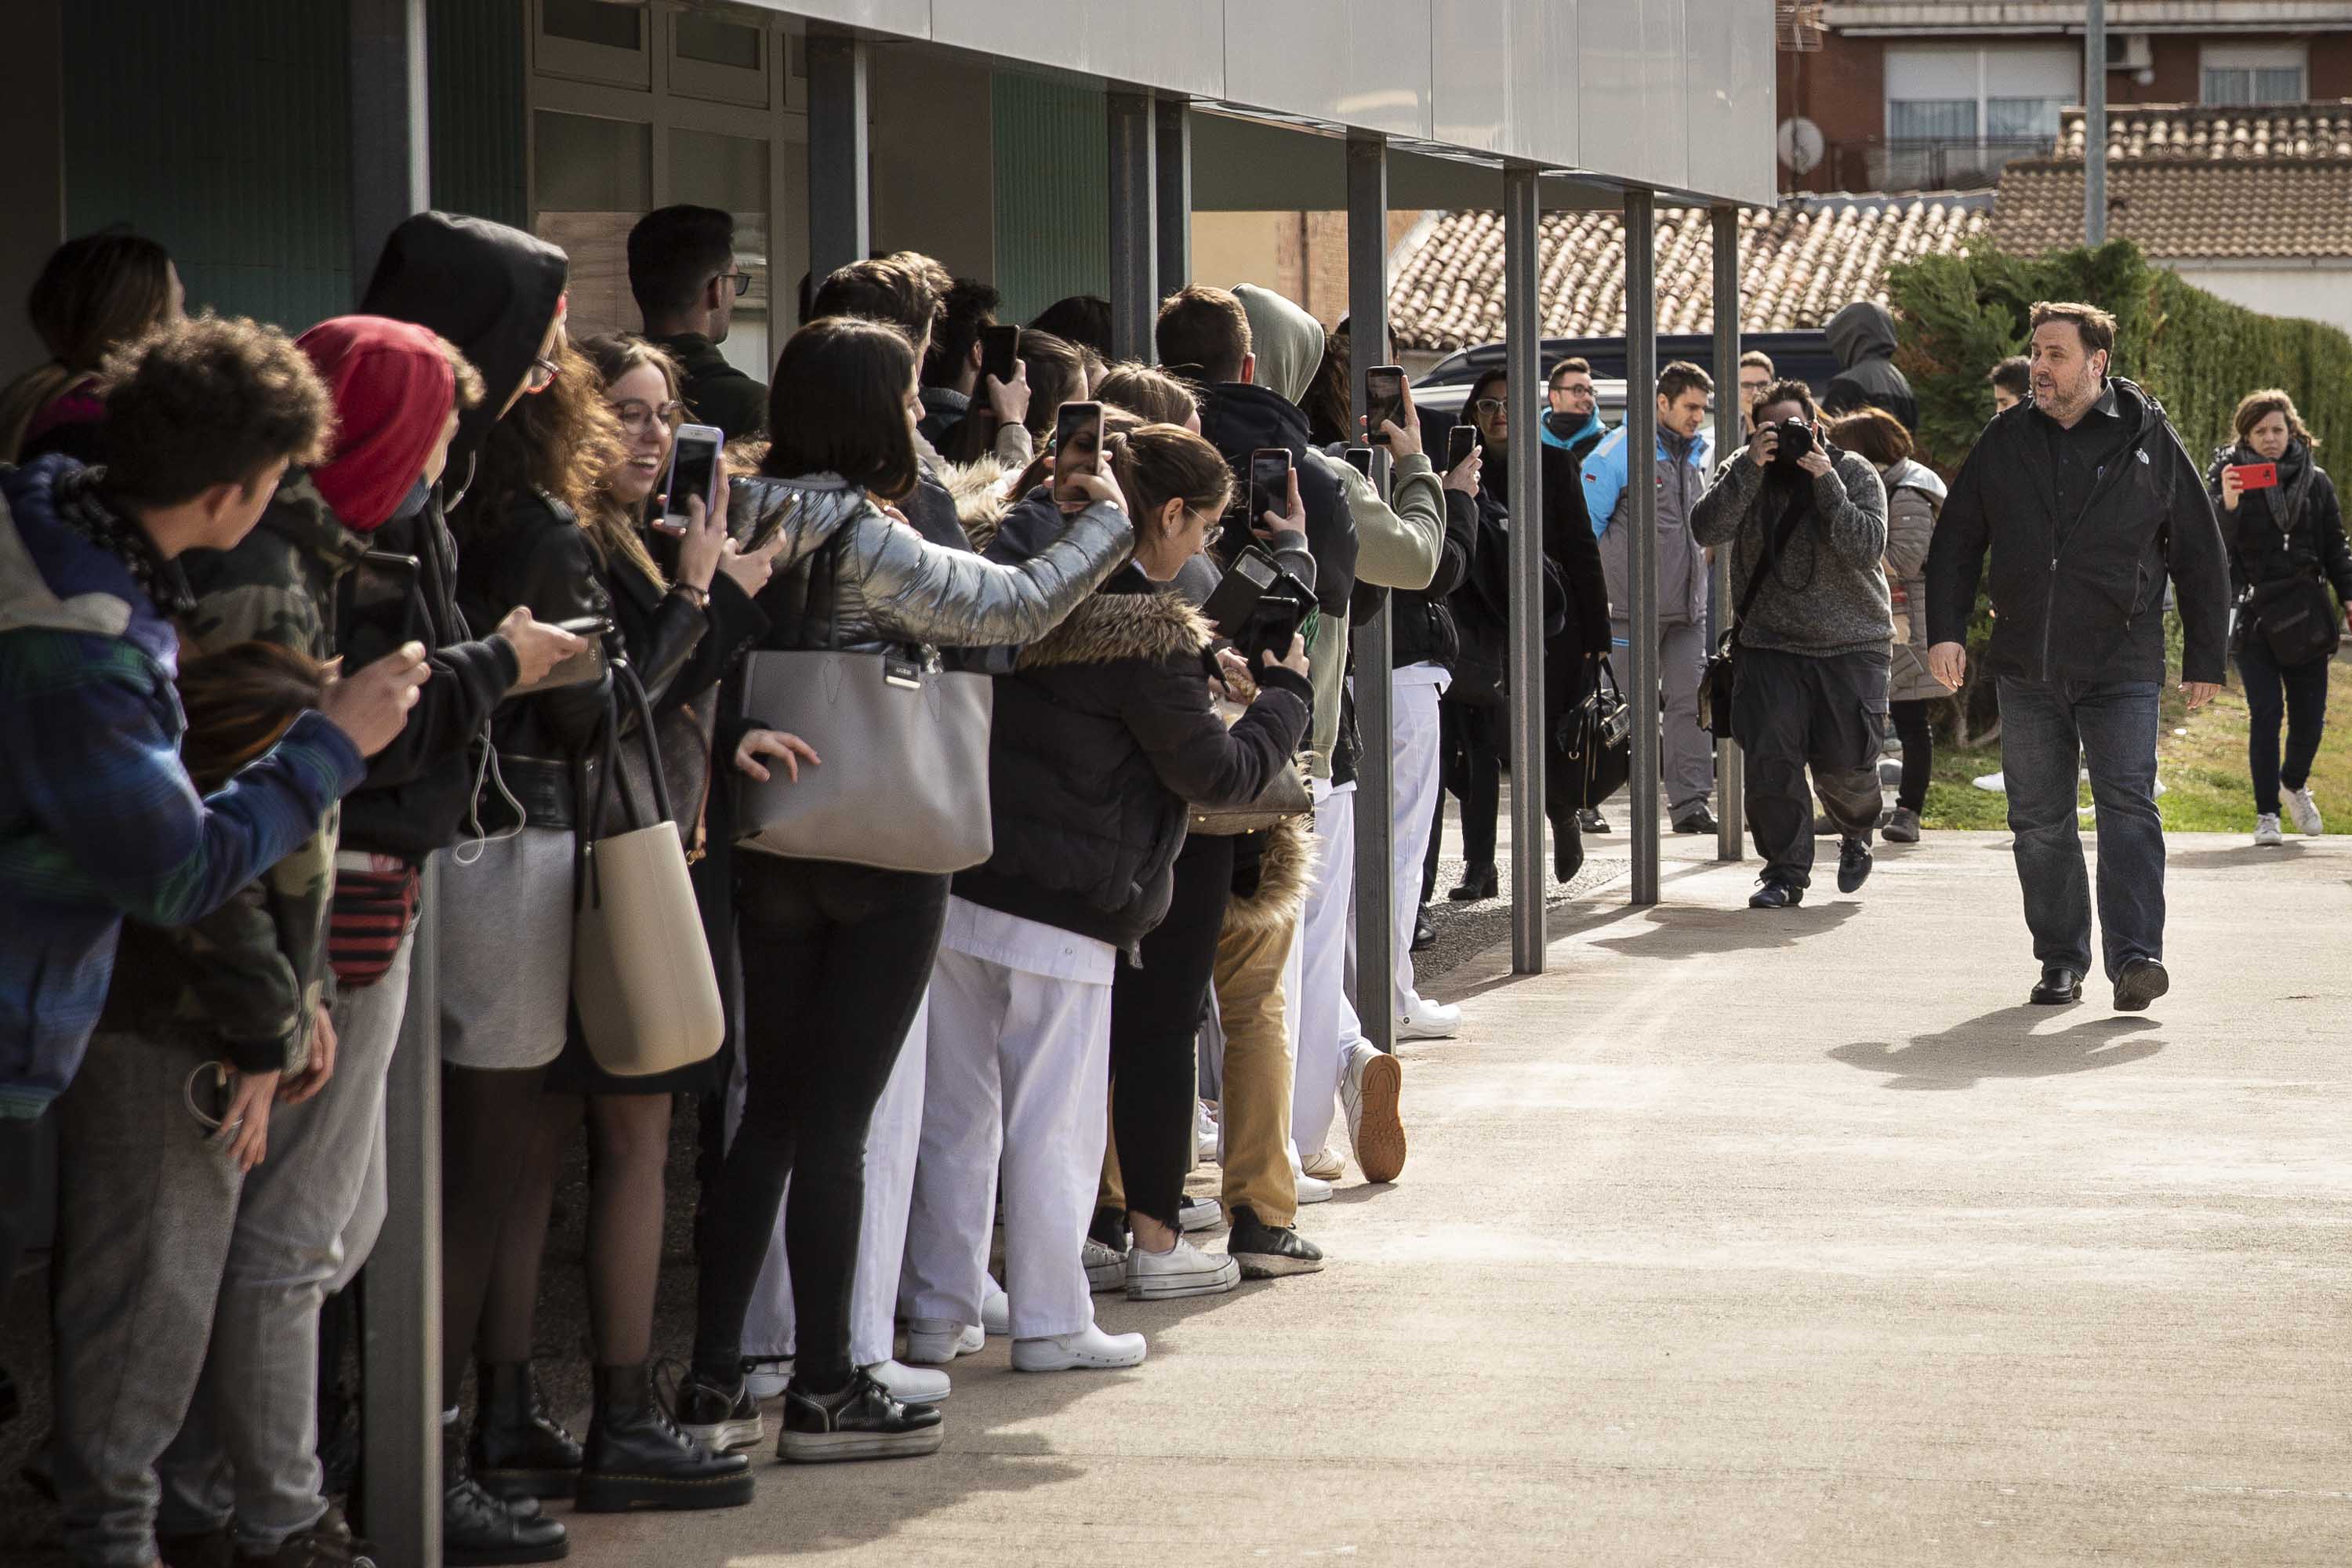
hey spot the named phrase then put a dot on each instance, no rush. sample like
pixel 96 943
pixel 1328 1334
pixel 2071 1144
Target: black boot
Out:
pixel 519 1450
pixel 637 1457
pixel 477 1530
pixel 1479 882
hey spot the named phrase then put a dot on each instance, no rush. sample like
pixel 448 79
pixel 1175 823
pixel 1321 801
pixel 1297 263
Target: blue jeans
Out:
pixel 2111 725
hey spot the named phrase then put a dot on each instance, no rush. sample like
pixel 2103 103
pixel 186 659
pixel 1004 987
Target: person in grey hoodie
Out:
pixel 1863 337
pixel 1807 529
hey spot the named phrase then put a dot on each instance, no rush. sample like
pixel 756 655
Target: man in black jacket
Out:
pixel 2087 502
pixel 683 271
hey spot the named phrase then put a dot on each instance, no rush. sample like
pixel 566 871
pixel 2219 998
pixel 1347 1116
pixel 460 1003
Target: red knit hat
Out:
pixel 393 390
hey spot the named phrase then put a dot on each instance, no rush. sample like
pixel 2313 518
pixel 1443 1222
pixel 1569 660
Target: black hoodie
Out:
pixel 1863 337
pixel 492 290
pixel 1238 418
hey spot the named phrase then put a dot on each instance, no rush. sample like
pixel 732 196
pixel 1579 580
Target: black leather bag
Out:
pixel 2295 617
pixel 1594 740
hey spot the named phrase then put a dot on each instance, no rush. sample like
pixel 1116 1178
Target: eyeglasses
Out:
pixel 1493 405
pixel 541 375
pixel 637 417
pixel 742 281
pixel 1575 388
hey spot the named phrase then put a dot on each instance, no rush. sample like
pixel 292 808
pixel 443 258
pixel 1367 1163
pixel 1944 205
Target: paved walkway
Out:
pixel 1740 1238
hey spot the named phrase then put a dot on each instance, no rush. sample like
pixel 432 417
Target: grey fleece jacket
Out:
pixel 1828 593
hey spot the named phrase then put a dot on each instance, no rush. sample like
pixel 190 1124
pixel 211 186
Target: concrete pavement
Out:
pixel 1742 1238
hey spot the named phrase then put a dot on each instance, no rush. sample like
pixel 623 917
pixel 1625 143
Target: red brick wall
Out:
pixel 2331 66
pixel 1841 88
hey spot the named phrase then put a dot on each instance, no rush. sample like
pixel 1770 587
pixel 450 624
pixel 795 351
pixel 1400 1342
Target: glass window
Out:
pixel 718 43
pixel 2254 73
pixel 595 180
pixel 1932 120
pixel 2021 119
pixel 593 22
pixel 732 173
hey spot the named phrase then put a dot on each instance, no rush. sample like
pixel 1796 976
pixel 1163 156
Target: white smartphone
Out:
pixel 693 472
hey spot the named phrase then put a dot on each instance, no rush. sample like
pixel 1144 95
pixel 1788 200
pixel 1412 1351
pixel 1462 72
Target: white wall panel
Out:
pixel 1732 93
pixel 1359 62
pixel 1503 76
pixel 908 18
pixel 1631 120
pixel 1178 44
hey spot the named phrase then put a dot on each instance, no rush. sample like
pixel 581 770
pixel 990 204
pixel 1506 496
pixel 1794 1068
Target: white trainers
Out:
pixel 1310 1189
pixel 937 1341
pixel 2266 829
pixel 1326 1166
pixel 1105 1267
pixel 995 1310
pixel 767 1376
pixel 1195 1215
pixel 1205 1140
pixel 2303 811
pixel 1368 1090
pixel 1089 1350
pixel 1429 1021
pixel 1182 1270
pixel 909 1385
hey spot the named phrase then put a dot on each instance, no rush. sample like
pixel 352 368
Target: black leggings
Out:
pixel 834 963
pixel 1155 1016
pixel 1919 753
pixel 2295 693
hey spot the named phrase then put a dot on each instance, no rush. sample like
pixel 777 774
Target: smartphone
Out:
pixel 2258 476
pixel 1078 447
pixel 1362 458
pixel 1000 349
pixel 1237 592
pixel 693 472
pixel 1269 483
pixel 1459 442
pixel 581 668
pixel 1383 400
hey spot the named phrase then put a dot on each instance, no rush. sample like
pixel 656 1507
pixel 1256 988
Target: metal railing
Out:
pixel 1931 164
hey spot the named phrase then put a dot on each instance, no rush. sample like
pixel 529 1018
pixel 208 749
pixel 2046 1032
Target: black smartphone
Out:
pixel 581 668
pixel 1459 442
pixel 1383 401
pixel 1078 447
pixel 693 472
pixel 1269 483
pixel 383 584
pixel 1236 597
pixel 1000 349
pixel 1362 458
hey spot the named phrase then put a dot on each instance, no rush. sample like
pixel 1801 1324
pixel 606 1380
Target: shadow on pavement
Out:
pixel 1684 931
pixel 2238 855
pixel 2002 1044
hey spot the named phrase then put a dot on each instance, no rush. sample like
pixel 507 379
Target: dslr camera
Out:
pixel 1796 439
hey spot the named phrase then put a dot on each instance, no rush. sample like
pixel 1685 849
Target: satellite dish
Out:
pixel 1799 144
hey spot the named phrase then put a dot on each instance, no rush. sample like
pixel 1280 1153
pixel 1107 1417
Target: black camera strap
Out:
pixel 1801 506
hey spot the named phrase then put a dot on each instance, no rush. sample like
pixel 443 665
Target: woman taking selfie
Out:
pixel 1100 741
pixel 680 630
pixel 2284 529
pixel 839 955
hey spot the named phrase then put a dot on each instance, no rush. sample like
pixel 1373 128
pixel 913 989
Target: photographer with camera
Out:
pixel 1807 527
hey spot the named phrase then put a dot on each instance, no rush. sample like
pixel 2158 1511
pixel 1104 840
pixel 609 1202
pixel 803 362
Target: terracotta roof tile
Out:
pixel 1798 266
pixel 2273 180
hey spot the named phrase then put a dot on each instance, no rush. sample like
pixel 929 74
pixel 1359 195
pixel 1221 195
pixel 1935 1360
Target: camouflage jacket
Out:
pixel 249 978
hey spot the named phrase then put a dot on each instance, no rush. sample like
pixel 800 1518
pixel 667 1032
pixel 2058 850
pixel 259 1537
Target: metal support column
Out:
pixel 1522 338
pixel 399 1354
pixel 1376 905
pixel 840 215
pixel 388 126
pixel 1641 516
pixel 2094 123
pixel 1730 800
pixel 1173 165
pixel 1134 236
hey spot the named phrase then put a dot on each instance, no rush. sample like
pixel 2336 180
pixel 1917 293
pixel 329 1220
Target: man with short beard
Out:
pixel 2087 502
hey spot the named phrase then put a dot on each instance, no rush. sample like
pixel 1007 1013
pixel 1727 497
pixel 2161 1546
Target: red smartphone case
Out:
pixel 2258 476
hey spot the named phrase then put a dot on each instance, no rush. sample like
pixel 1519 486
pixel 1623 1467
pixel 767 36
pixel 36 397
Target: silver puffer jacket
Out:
pixel 851 578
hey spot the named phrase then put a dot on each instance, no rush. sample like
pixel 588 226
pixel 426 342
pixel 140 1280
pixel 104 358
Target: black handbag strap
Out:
pixel 625 687
pixel 1799 509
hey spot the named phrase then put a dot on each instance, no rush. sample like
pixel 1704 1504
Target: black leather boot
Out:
pixel 477 1530
pixel 637 1457
pixel 519 1450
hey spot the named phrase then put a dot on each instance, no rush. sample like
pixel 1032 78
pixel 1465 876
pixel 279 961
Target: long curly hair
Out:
pixel 612 527
pixel 560 443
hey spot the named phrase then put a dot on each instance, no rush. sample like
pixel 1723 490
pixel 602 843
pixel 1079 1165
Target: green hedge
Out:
pixel 2196 352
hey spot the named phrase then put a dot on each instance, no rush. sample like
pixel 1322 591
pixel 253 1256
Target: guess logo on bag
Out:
pixel 902 673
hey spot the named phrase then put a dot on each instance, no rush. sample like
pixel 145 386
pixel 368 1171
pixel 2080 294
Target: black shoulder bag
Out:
pixel 1719 668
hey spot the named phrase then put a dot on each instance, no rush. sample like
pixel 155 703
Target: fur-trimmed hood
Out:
pixel 1116 624
pixel 1286 874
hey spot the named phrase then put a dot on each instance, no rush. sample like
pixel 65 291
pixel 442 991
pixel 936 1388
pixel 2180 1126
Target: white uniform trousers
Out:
pixel 1325 1014
pixel 890 1144
pixel 1019 1071
pixel 1415 764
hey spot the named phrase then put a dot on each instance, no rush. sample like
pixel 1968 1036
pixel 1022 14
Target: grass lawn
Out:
pixel 2200 758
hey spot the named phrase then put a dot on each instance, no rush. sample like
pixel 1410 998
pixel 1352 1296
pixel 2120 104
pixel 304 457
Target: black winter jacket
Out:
pixel 1100 739
pixel 1863 337
pixel 1421 624
pixel 2261 549
pixel 2084 602
pixel 1238 418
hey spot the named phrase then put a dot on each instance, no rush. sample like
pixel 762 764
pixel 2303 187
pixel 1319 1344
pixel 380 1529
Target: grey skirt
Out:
pixel 505 951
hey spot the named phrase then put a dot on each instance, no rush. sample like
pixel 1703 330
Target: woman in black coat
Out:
pixel 2276 533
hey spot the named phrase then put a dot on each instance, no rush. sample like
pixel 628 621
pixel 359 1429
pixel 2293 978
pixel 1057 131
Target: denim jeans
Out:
pixel 2110 725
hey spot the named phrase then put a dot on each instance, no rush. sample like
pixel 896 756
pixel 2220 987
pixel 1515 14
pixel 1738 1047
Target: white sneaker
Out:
pixel 1369 1088
pixel 1182 1270
pixel 1089 1349
pixel 909 1385
pixel 2266 829
pixel 937 1341
pixel 1429 1021
pixel 1310 1189
pixel 1195 1215
pixel 766 1376
pixel 1205 1139
pixel 1326 1166
pixel 1106 1269
pixel 2305 811
pixel 995 1310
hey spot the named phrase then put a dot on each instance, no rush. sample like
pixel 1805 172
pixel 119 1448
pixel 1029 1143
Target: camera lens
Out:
pixel 1796 439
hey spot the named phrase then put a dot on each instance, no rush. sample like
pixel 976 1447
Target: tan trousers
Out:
pixel 1254 1105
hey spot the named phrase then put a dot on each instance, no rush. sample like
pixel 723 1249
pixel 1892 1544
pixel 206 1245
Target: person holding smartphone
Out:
pixel 2286 544
pixel 975 390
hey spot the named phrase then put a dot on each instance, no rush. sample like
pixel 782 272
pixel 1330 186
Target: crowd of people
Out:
pixel 285 621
